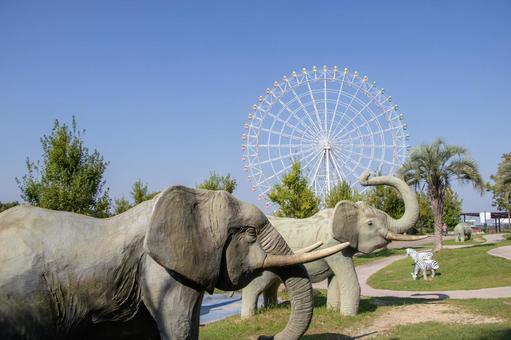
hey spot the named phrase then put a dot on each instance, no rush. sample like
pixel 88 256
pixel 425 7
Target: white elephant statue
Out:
pixel 363 226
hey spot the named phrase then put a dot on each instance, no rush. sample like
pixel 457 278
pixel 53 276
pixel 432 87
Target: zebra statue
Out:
pixel 425 266
pixel 423 262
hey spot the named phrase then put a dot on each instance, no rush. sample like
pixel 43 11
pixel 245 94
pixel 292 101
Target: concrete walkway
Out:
pixel 365 271
pixel 504 252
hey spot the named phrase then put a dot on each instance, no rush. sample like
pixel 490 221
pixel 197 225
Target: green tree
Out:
pixel 293 195
pixel 451 213
pixel 217 182
pixel 435 166
pixel 341 192
pixel 7 205
pixel 452 209
pixel 501 187
pixel 425 222
pixel 139 194
pixel 70 177
pixel 121 205
pixel 387 199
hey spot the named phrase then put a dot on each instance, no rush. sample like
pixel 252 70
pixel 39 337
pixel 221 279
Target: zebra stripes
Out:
pixel 423 263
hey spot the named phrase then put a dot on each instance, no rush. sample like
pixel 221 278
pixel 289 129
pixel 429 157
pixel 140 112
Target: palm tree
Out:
pixel 502 187
pixel 434 166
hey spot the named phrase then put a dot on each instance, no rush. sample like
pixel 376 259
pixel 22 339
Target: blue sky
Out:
pixel 163 87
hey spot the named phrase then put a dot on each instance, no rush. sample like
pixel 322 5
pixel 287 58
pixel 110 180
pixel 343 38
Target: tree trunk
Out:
pixel 437 208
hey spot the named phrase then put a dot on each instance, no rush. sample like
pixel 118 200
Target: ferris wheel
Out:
pixel 336 123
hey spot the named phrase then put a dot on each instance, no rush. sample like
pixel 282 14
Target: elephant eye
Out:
pixel 250 234
pixel 370 222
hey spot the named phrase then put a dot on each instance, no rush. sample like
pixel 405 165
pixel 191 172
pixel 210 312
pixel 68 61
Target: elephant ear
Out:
pixel 186 237
pixel 344 223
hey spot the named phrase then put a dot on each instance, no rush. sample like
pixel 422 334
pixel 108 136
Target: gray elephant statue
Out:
pixel 462 232
pixel 363 226
pixel 69 276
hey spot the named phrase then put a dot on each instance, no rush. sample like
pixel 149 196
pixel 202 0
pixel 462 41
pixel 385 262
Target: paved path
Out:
pixel 365 271
pixel 217 307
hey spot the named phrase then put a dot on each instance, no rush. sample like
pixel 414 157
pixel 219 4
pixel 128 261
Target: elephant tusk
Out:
pixel 399 237
pixel 309 248
pixel 272 261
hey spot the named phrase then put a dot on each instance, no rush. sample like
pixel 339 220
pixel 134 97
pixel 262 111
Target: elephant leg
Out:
pixel 174 305
pixel 333 297
pixel 270 293
pixel 251 292
pixel 347 280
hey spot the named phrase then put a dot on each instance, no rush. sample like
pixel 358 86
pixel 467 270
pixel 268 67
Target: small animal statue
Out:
pixel 425 266
pixel 423 255
pixel 462 232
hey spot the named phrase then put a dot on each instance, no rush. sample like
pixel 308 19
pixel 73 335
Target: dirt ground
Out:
pixel 417 313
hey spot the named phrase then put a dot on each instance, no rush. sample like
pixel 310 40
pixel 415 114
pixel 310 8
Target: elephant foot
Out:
pixel 349 312
pixel 332 307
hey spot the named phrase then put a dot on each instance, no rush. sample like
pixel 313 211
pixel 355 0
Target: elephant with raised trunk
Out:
pixel 363 226
pixel 69 276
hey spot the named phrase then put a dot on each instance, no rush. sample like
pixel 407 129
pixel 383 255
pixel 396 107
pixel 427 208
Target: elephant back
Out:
pixel 302 232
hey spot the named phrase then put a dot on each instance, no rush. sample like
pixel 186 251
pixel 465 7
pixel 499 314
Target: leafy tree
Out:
pixel 451 214
pixel 434 166
pixel 70 178
pixel 341 192
pixel 7 205
pixel 452 209
pixel 121 205
pixel 387 199
pixel 293 195
pixel 217 182
pixel 425 222
pixel 501 187
pixel 139 194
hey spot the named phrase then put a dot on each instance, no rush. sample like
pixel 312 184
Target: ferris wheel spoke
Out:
pixel 325 101
pixel 283 170
pixel 345 163
pixel 312 126
pixel 285 123
pixel 314 155
pixel 269 160
pixel 359 112
pixel 307 114
pixel 337 102
pixel 374 118
pixel 313 103
pixel 382 131
pixel 348 106
pixel 317 166
pixel 336 167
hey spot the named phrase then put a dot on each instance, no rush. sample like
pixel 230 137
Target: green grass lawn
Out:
pixel 366 258
pixel 269 321
pixel 329 325
pixel 477 239
pixel 465 268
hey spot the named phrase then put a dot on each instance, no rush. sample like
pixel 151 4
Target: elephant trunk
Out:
pixel 297 282
pixel 411 214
